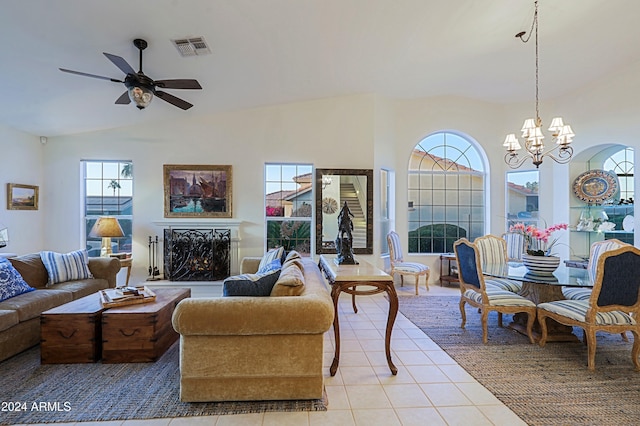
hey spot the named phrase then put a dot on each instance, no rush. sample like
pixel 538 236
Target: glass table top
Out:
pixel 563 276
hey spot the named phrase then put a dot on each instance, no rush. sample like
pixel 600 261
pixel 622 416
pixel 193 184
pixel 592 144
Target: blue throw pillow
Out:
pixel 275 264
pixel 250 284
pixel 269 258
pixel 66 267
pixel 11 282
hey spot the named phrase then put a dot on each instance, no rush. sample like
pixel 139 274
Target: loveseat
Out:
pixel 20 315
pixel 255 348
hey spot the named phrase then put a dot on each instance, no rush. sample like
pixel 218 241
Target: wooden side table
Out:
pixel 347 278
pixel 449 277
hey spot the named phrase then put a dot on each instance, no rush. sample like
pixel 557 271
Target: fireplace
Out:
pixel 197 254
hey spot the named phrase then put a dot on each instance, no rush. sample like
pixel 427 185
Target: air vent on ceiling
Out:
pixel 192 46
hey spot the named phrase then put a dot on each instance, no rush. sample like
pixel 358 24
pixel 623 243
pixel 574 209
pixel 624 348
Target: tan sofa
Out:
pixel 255 348
pixel 20 315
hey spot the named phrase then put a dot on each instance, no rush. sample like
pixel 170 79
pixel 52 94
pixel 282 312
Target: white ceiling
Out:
pixel 275 51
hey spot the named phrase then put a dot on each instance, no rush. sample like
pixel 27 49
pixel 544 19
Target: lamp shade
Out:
pixel 106 226
pixel 556 124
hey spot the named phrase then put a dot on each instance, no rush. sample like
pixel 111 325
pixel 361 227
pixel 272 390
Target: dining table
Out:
pixel 540 289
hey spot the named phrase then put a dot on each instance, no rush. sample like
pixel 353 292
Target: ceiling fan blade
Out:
pixel 115 80
pixel 120 63
pixel 178 84
pixel 123 99
pixel 173 100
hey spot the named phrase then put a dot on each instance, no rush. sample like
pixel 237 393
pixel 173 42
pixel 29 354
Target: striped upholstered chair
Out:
pixel 493 250
pixel 516 245
pixel 476 293
pixel 402 268
pixel 614 305
pixel 596 250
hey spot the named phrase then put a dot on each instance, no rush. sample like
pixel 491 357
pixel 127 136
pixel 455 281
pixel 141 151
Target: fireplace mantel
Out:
pixel 233 225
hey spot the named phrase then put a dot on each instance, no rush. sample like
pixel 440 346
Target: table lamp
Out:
pixel 106 227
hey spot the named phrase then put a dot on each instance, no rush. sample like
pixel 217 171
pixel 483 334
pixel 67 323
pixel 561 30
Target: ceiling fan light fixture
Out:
pixel 141 96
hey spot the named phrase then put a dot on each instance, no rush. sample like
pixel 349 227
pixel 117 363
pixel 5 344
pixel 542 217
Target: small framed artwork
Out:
pixel 203 191
pixel 22 197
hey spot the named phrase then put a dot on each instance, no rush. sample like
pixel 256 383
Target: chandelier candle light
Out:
pixel 531 130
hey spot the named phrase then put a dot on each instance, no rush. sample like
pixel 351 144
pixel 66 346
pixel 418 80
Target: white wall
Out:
pixel 21 162
pixel 330 133
pixel 360 131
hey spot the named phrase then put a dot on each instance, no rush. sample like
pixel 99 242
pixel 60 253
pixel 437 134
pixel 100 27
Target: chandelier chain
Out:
pixel 531 130
pixel 535 20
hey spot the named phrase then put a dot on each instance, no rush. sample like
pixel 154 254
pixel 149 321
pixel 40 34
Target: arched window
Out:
pixel 621 163
pixel 446 193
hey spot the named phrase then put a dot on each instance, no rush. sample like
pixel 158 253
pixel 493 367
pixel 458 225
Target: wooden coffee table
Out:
pixel 84 331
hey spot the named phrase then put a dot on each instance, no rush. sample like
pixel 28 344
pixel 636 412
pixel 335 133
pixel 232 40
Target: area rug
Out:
pixel 543 385
pixel 35 393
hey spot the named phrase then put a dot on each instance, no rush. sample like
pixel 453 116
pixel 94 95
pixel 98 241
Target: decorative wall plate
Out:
pixel 329 205
pixel 627 223
pixel 595 186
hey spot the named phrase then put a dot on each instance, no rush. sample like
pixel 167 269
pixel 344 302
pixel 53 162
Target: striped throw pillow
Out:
pixel 66 267
pixel 266 263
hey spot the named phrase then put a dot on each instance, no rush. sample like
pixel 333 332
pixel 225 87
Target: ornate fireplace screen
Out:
pixel 197 254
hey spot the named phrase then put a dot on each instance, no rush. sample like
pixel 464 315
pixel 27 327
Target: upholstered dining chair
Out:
pixel 516 245
pixel 402 268
pixel 614 305
pixel 493 250
pixel 476 293
pixel 595 251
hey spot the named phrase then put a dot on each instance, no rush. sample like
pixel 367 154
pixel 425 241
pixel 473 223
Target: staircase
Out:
pixel 348 194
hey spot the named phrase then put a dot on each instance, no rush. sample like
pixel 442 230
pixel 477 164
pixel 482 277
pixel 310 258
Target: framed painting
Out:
pixel 22 197
pixel 202 191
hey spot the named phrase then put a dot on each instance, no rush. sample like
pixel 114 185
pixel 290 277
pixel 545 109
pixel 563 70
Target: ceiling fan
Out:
pixel 140 88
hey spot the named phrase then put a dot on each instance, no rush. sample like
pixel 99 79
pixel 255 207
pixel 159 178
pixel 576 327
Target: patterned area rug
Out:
pixel 93 392
pixel 544 386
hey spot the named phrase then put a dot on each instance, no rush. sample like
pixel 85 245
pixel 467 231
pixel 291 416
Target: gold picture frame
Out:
pixel 198 191
pixel 22 197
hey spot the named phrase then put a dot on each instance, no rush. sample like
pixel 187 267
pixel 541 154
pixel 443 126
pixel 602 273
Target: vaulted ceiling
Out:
pixel 275 51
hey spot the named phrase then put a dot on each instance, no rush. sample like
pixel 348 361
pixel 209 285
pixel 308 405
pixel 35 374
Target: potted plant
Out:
pixel 539 258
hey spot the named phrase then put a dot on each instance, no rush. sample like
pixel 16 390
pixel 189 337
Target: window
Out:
pixel 108 191
pixel 522 197
pixel 621 163
pixel 446 193
pixel 386 208
pixel 289 206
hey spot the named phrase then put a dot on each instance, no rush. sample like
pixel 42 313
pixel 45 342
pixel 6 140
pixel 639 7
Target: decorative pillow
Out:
pixel 275 264
pixel 66 267
pixel 292 255
pixel 250 284
pixel 297 262
pixel 267 259
pixel 290 282
pixel 32 269
pixel 11 282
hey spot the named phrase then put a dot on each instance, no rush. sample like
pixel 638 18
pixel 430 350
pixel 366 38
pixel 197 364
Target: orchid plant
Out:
pixel 539 241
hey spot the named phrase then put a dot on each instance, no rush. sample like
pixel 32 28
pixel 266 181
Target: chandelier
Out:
pixel 561 152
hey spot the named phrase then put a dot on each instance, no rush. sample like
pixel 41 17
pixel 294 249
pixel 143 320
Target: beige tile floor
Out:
pixel 429 389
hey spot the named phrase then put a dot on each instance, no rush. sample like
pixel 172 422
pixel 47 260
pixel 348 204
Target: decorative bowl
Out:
pixel 540 265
